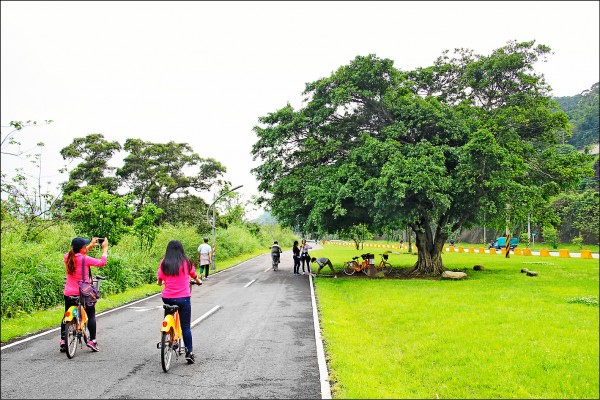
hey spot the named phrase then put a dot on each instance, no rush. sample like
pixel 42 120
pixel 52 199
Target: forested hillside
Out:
pixel 583 111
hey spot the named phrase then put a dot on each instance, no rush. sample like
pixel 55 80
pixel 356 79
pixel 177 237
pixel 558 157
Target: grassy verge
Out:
pixel 26 324
pixel 498 334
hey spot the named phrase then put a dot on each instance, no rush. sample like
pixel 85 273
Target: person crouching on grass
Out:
pixel 322 262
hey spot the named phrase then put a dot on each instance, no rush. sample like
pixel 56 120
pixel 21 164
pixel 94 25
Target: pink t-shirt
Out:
pixel 176 286
pixel 72 283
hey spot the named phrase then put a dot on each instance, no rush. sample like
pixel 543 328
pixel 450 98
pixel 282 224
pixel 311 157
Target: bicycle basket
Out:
pixel 385 257
pixel 370 257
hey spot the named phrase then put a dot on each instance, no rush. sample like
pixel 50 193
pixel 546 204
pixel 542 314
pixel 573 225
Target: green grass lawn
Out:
pixel 498 334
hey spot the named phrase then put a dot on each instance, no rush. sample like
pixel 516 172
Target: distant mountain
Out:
pixel 265 219
pixel 583 113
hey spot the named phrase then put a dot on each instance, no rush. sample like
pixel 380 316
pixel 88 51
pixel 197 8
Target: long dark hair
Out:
pixel 71 262
pixel 174 259
pixel 295 243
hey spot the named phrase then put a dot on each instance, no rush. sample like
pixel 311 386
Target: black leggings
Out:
pixel 305 259
pixel 91 314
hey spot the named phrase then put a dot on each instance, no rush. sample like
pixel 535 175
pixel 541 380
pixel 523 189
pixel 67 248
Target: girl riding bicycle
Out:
pixel 73 263
pixel 174 271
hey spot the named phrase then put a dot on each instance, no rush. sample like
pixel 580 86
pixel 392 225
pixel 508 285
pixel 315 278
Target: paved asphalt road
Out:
pixel 254 337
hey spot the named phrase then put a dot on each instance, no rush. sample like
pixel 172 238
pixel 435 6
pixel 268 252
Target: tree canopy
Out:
pixel 434 149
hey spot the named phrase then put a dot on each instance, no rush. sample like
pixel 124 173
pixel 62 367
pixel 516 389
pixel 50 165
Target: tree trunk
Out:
pixel 429 261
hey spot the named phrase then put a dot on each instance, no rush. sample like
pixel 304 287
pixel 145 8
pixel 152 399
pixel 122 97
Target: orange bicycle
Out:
pixel 384 264
pixel 350 267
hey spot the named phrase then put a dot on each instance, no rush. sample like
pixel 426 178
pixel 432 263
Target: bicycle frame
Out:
pixel 75 320
pixel 171 323
pixel 73 313
pixel 350 267
pixel 171 334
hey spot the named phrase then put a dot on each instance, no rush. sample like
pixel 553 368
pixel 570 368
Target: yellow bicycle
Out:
pixel 171 342
pixel 75 319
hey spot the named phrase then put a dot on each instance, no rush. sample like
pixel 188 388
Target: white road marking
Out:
pixel 204 316
pixel 250 283
pixel 57 329
pixel 323 372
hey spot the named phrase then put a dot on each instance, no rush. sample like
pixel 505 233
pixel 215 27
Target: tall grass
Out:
pixel 497 334
pixel 33 273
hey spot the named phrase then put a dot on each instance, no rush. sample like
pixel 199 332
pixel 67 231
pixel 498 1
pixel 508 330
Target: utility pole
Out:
pixel 215 199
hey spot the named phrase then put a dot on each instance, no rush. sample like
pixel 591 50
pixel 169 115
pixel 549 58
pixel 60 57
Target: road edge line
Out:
pixel 323 372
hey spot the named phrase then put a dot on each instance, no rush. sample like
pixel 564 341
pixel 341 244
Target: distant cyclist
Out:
pixel 276 252
pixel 175 270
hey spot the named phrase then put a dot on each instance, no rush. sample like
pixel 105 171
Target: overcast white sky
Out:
pixel 204 72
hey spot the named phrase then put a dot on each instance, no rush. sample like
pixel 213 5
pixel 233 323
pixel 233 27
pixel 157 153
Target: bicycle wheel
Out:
pixel 349 268
pixel 367 269
pixel 386 267
pixel 166 350
pixel 71 338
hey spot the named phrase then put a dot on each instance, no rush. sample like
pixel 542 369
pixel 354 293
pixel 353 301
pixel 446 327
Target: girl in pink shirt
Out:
pixel 73 264
pixel 174 271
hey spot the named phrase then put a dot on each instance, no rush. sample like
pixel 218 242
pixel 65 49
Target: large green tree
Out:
pixel 159 172
pixel 434 149
pixel 94 169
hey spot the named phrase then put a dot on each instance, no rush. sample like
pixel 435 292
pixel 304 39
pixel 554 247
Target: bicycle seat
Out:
pixel 170 309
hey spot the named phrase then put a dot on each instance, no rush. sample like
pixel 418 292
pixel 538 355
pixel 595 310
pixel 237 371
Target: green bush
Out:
pixel 33 273
pixel 550 236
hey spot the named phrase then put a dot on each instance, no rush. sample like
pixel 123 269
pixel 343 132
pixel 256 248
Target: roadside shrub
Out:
pixel 578 241
pixel 33 273
pixel 550 236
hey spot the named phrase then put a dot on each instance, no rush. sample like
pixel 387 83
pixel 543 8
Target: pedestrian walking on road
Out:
pixel 204 257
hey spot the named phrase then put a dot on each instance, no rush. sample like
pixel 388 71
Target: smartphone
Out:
pixel 100 240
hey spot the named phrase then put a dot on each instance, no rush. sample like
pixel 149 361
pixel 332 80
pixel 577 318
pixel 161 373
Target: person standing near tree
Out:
pixel 204 257
pixel 296 256
pixel 304 257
